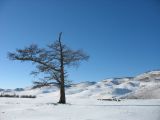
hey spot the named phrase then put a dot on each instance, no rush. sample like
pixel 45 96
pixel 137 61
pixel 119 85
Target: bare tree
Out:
pixel 51 61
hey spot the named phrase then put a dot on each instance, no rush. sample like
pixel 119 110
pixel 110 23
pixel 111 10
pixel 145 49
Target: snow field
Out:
pixel 46 108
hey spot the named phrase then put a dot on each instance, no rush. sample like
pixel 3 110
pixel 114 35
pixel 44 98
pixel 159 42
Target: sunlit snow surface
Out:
pixel 140 101
pixel 45 108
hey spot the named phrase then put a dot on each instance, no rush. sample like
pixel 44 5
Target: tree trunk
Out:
pixel 62 86
pixel 62 99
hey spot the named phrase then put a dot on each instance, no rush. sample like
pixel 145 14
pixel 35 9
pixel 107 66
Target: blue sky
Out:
pixel 122 37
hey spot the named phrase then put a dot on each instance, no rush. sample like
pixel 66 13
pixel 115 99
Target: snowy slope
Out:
pixel 82 103
pixel 149 86
pixel 143 86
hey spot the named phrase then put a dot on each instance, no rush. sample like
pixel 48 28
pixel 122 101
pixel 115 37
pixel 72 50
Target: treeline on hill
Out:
pixel 17 96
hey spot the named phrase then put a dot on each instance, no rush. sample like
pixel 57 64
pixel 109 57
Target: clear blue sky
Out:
pixel 122 37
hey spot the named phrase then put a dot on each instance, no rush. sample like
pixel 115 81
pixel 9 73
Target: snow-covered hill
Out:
pixel 82 103
pixel 143 86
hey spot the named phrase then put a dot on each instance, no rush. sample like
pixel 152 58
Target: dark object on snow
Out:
pixel 17 96
pixel 8 95
pixel 27 96
pixel 111 99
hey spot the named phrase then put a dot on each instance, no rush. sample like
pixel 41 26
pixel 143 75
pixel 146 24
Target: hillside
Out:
pixel 141 101
pixel 143 86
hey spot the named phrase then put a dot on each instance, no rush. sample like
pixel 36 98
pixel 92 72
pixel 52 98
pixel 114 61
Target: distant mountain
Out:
pixel 19 89
pixel 1 90
pixel 143 86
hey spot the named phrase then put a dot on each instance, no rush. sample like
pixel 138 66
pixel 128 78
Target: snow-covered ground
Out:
pixel 141 101
pixel 45 108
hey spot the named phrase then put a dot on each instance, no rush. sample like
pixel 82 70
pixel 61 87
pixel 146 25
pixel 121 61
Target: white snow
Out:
pixel 144 86
pixel 83 104
pixel 45 108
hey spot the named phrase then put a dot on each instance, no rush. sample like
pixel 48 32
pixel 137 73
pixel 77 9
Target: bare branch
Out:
pixel 51 62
